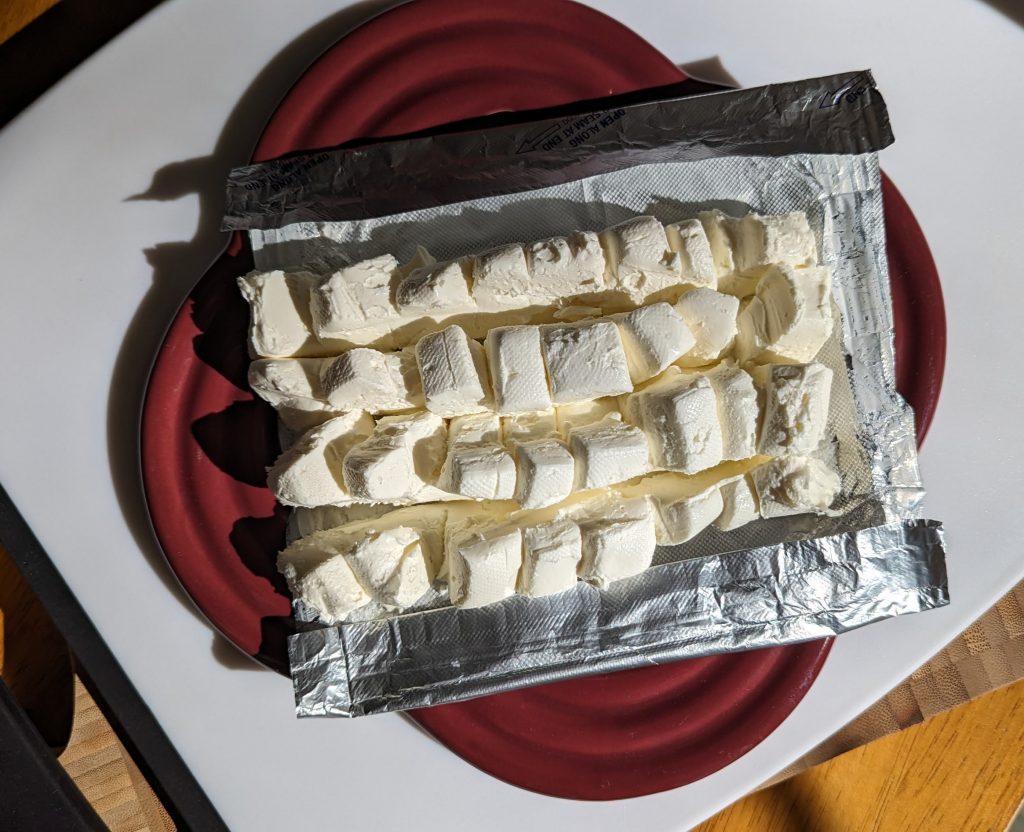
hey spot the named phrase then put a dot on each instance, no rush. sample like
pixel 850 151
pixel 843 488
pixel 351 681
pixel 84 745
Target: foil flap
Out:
pixel 780 594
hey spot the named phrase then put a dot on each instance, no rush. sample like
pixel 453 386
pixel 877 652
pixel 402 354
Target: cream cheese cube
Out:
pixel 501 278
pixel 679 415
pixel 528 427
pixel 551 553
pixel 790 317
pixel 517 369
pixel 544 473
pixel 719 228
pixel 483 566
pixel 581 414
pixel 739 504
pixel 477 466
pixel 738 410
pixel 309 472
pixel 400 459
pixel 437 289
pixel 453 371
pixel 318 574
pixel 608 452
pixel 566 267
pixel 686 517
pixel 280 322
pixel 711 318
pixel 366 379
pixel 355 297
pixel 689 241
pixel 584 361
pixel 776 238
pixel 640 262
pixel 292 383
pixel 794 485
pixel 795 407
pixel 653 336
pixel 617 540
pixel 391 566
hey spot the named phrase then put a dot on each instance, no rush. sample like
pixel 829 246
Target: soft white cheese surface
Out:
pixel 566 267
pixel 711 317
pixel 696 261
pixel 737 410
pixel 366 379
pixel 653 336
pixel 399 460
pixel 580 414
pixel 617 540
pixel 778 238
pixel 584 361
pixel 435 289
pixel 483 566
pixel 453 372
pixel 551 553
pixel 354 297
pixel 317 572
pixel 477 465
pixel 280 322
pixel 795 407
pixel 288 382
pixel 527 427
pixel 739 504
pixel 789 318
pixel 390 565
pixel 794 485
pixel 686 517
pixel 640 261
pixel 545 472
pixel 608 452
pixel 517 369
pixel 716 227
pixel 501 278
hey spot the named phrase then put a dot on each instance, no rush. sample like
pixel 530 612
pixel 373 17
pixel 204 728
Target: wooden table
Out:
pixel 961 770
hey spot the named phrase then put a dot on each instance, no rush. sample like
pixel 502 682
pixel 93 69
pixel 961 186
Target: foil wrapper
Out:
pixel 806 146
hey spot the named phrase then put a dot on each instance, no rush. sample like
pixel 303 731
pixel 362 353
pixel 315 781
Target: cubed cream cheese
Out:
pixel 776 238
pixel 640 263
pixel 686 517
pixel 653 336
pixel 737 410
pixel 483 566
pixel 477 466
pixel 544 472
pixel 501 278
pixel 309 473
pixel 453 371
pixel 391 566
pixel 581 414
pixel 563 268
pixel 551 554
pixel 280 322
pixel 789 318
pixel 400 459
pixel 739 504
pixel 711 318
pixel 436 289
pixel 794 485
pixel 366 379
pixel 718 229
pixel 354 297
pixel 292 383
pixel 795 401
pixel 517 369
pixel 617 539
pixel 317 573
pixel 584 361
pixel 679 415
pixel 527 427
pixel 696 260
pixel 608 452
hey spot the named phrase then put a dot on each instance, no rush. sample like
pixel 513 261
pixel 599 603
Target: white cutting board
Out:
pixel 75 271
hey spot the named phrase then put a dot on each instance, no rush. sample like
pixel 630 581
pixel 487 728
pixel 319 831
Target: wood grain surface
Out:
pixel 15 14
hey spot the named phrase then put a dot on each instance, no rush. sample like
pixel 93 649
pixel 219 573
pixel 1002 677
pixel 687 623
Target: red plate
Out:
pixel 206 440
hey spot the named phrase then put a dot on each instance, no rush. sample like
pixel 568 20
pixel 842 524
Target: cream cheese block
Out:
pixel 584 361
pixel 761 241
pixel 391 566
pixel 545 472
pixel 291 383
pixel 566 267
pixel 794 485
pixel 795 401
pixel 737 410
pixel 501 278
pixel 477 465
pixel 640 262
pixel 318 573
pixel 711 318
pixel 617 539
pixel 280 322
pixel 453 372
pixel 789 318
pixel 581 414
pixel 551 554
pixel 690 243
pixel 435 289
pixel 370 380
pixel 354 298
pixel 686 517
pixel 654 337
pixel 399 461
pixel 517 369
pixel 739 504
pixel 608 452
pixel 528 427
pixel 483 565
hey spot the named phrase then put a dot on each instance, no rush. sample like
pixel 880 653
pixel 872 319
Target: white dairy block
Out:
pixel 453 371
pixel 517 369
pixel 355 297
pixel 608 452
pixel 686 517
pixel 477 465
pixel 527 427
pixel 584 361
pixel 679 415
pixel 789 318
pixel 617 541
pixel 580 414
pixel 280 323
pixel 640 262
pixel 760 241
pixel 565 267
pixel 696 260
pixel 366 379
pixel 794 485
pixel 717 228
pixel 288 382
pixel 711 317
pixel 304 520
pixel 309 472
pixel 737 410
pixel 545 472
pixel 435 289
pixel 391 566
pixel 501 278
pixel 551 553
pixel 317 572
pixel 795 400
pixel 653 336
pixel 483 566
pixel 399 460
pixel 739 504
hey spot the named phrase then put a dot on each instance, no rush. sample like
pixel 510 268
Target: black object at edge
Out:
pixel 128 715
